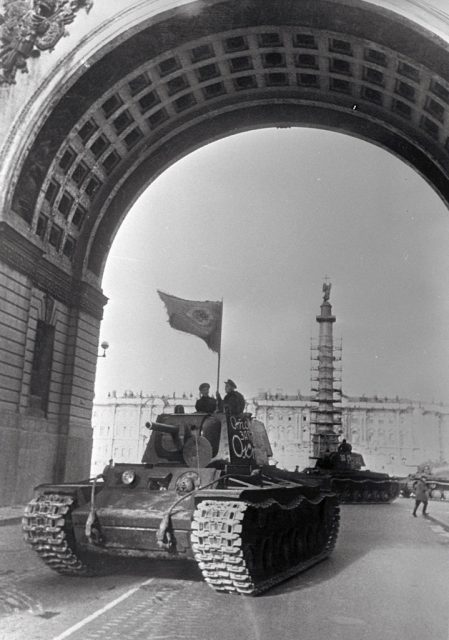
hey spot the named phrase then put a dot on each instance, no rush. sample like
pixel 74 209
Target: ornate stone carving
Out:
pixel 28 27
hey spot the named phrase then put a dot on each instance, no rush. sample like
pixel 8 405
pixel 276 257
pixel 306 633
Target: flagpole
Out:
pixel 219 349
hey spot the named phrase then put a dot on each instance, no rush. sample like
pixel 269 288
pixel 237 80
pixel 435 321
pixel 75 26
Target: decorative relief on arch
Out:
pixel 28 27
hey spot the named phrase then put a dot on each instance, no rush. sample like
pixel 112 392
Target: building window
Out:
pixel 55 237
pixel 41 366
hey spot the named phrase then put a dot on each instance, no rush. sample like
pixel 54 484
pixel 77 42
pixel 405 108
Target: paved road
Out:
pixel 388 579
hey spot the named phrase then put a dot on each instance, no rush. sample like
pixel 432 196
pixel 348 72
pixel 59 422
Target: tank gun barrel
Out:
pixel 164 428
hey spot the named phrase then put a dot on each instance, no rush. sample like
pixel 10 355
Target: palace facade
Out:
pixel 393 435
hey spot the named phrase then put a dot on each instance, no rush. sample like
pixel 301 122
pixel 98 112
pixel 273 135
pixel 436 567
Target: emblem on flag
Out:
pixel 199 318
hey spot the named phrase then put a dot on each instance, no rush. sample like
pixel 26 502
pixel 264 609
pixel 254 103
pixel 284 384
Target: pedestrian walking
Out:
pixel 421 495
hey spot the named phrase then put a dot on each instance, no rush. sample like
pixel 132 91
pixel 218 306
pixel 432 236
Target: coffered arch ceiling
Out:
pixel 176 84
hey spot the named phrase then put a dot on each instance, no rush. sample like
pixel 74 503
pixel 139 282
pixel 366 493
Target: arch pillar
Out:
pixel 48 355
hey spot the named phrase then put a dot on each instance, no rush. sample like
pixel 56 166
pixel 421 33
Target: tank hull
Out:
pixel 244 540
pixel 351 486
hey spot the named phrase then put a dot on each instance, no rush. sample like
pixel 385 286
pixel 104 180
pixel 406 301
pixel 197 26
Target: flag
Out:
pixel 202 319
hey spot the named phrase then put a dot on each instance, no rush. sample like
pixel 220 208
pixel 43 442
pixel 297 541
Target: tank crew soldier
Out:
pixel 421 495
pixel 205 404
pixel 344 447
pixel 233 402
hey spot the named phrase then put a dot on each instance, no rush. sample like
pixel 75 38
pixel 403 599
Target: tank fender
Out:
pixel 81 491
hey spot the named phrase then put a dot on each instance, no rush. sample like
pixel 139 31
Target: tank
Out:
pixel 343 473
pixel 437 479
pixel 204 491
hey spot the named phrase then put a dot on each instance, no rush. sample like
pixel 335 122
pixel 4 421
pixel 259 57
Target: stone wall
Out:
pixel 43 445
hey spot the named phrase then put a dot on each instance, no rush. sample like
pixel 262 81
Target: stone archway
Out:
pixel 121 107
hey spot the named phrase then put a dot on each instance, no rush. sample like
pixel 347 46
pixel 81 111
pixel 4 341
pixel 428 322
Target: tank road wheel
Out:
pixel 47 527
pixel 298 545
pixel 367 495
pixel 267 554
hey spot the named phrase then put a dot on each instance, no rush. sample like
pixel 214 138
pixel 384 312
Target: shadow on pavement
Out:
pixel 175 568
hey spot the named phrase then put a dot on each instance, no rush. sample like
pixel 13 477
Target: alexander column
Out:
pixel 326 416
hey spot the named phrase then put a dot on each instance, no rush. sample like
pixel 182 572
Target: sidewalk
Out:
pixel 11 515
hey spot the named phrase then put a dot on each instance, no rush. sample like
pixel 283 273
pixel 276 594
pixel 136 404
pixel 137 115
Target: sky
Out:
pixel 259 219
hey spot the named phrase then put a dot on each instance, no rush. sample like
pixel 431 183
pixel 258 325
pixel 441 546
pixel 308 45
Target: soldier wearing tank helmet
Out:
pixel 205 403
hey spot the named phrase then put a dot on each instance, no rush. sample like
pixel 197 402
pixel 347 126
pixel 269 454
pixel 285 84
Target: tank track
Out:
pixel 248 548
pixel 47 527
pixel 364 491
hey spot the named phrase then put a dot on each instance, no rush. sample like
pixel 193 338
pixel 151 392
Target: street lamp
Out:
pixel 104 345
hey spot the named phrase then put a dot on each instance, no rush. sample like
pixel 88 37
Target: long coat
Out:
pixel 421 491
pixel 234 402
pixel 206 404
